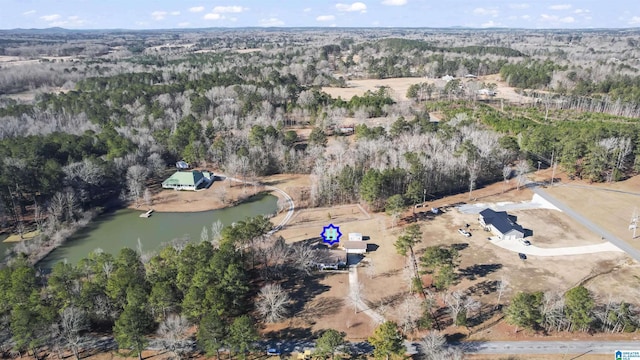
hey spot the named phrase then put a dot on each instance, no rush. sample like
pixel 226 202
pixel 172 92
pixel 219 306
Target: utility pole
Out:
pixel 424 196
pixel 538 167
pixel 553 166
pixel 634 222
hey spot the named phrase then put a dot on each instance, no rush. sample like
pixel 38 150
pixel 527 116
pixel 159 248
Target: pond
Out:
pixel 122 228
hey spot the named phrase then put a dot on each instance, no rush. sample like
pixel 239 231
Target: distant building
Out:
pixel 448 78
pixel 501 224
pixel 486 92
pixel 186 180
pixel 470 76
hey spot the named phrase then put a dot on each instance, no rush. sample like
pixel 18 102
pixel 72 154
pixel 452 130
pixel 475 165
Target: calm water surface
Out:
pixel 122 228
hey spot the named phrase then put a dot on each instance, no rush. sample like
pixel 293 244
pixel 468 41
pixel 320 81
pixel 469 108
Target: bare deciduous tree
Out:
pixel 522 168
pixel 272 303
pixel 506 172
pixel 148 198
pixel 502 286
pixel 216 231
pixel 136 175
pixel 72 322
pixel 410 311
pixel 204 234
pixel 173 334
pixel 355 295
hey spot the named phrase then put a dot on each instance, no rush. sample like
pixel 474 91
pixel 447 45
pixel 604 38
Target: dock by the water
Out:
pixel 147 214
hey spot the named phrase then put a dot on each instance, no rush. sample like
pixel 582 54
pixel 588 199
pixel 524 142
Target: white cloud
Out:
pixel 271 22
pixel 525 17
pixel 30 12
pixel 581 11
pixel 560 7
pixel 557 19
pixel 175 13
pixel 196 9
pixel 229 9
pixel 158 15
pixel 356 6
pixel 634 20
pixel 394 2
pixel 213 16
pixel 52 17
pixel 490 23
pixel 184 24
pixel 70 21
pixel 519 6
pixel 306 9
pixel 325 18
pixel 485 12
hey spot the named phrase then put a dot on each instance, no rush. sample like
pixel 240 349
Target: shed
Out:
pixel 182 165
pixel 355 247
pixel 355 237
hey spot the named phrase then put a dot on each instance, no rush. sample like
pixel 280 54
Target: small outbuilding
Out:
pixel 501 224
pixel 182 165
pixel 355 237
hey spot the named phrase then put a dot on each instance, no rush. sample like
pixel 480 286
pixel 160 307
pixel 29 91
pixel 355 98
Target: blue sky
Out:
pixel 165 14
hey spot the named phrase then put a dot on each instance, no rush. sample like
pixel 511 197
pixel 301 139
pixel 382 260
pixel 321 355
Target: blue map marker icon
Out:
pixel 331 234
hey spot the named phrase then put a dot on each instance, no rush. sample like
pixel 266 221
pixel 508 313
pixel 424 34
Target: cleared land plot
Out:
pixel 610 210
pixel 399 87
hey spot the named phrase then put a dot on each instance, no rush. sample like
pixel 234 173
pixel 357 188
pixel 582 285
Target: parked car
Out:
pixel 525 242
pixel 522 256
pixel 465 233
pixel 272 351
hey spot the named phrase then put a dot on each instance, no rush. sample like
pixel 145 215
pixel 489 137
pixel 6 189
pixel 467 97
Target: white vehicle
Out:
pixel 464 232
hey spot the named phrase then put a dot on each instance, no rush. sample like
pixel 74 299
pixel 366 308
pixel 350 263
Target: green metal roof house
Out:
pixel 184 180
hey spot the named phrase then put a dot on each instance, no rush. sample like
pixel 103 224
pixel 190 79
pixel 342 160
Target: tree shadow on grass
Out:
pixel 302 290
pixel 479 270
pixel 485 287
pixel 315 309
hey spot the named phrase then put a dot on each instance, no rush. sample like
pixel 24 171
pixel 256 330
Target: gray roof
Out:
pixel 354 245
pixel 500 221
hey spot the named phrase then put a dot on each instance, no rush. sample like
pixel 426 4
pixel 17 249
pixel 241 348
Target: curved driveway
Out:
pixel 286 196
pixel 516 246
pixel 623 245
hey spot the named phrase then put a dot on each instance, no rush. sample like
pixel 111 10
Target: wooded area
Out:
pixel 88 119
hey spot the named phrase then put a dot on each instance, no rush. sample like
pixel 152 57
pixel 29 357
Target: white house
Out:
pixel 501 225
pixel 355 247
pixel 184 180
pixel 355 237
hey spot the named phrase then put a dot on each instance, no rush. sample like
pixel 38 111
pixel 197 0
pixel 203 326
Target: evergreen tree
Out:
pixel 387 341
pixel 242 334
pixel 330 341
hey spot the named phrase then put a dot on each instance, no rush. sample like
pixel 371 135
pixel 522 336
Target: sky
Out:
pixel 169 14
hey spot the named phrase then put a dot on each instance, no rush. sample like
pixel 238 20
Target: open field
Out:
pixel 399 87
pixel 610 206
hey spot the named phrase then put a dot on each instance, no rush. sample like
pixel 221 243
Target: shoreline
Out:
pixel 221 194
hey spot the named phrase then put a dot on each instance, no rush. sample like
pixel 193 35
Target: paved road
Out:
pixel 630 250
pixel 548 347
